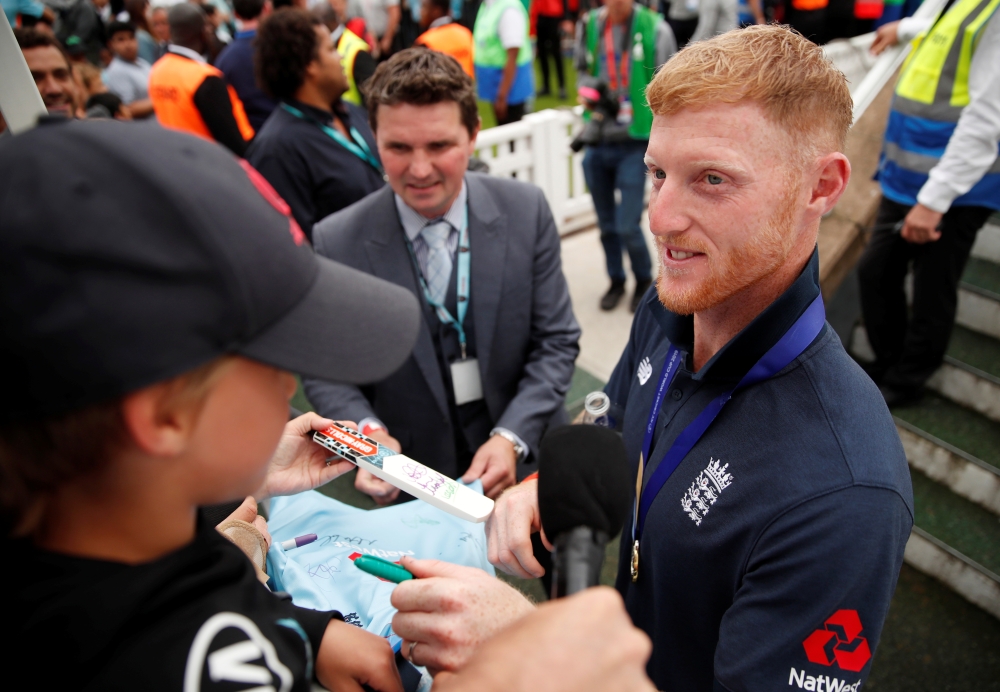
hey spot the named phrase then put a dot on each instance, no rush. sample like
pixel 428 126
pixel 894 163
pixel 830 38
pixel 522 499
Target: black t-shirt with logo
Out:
pixel 195 619
pixel 769 557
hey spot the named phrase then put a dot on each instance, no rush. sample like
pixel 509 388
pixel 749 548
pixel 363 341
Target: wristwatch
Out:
pixel 520 452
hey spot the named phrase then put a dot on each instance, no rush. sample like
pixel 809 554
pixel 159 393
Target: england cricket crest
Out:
pixel 705 490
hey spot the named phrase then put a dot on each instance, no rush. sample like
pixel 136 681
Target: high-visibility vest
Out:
pixel 932 91
pixel 172 83
pixel 809 5
pixel 349 45
pixel 642 61
pixel 451 39
pixel 489 51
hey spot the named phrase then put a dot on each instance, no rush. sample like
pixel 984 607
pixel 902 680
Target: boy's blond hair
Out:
pixel 798 88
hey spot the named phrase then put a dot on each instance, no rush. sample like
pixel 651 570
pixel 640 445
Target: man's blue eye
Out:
pixel 714 179
pixel 661 175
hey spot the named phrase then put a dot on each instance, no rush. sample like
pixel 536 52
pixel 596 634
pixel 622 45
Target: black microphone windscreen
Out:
pixel 583 480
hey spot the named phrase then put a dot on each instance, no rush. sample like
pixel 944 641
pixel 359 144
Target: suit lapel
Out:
pixel 390 260
pixel 488 244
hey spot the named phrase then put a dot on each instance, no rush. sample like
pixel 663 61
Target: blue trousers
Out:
pixel 619 166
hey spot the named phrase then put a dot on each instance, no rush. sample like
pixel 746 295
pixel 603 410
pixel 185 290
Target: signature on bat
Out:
pixel 429 480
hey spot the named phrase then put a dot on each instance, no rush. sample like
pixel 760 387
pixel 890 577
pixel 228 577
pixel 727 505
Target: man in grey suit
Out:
pixel 494 358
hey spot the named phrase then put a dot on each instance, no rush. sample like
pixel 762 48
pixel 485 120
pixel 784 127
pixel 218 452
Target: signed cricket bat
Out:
pixel 406 474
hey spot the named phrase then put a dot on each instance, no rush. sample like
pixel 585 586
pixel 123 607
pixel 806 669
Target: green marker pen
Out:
pixel 382 568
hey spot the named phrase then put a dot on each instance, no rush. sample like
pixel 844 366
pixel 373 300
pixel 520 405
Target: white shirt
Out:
pixel 972 149
pixel 513 28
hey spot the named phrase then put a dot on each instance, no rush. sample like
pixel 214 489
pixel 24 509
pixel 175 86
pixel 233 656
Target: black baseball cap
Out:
pixel 130 254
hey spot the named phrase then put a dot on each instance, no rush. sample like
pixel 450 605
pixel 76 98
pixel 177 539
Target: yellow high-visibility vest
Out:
pixel 348 46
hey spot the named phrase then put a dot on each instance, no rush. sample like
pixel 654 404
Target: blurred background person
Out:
pixel 138 17
pixel 445 35
pixel 127 76
pixel 715 17
pixel 159 28
pixel 503 58
pixel 189 94
pixel 26 8
pixel 550 15
pixel 316 150
pixel 382 20
pixel 236 61
pixel 355 53
pixel 50 68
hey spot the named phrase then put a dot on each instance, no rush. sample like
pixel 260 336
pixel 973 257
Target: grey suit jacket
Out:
pixel 526 334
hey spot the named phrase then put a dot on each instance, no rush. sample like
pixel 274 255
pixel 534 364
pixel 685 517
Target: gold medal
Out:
pixel 634 567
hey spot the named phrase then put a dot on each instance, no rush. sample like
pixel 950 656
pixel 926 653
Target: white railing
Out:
pixel 536 150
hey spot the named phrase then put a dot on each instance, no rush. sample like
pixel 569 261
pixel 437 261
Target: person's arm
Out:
pixel 815 593
pixel 288 173
pixel 143 108
pixel 972 149
pixel 213 102
pixel 580 46
pixel 392 23
pixel 513 33
pixel 584 643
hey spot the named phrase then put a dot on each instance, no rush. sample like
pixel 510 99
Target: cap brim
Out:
pixel 349 327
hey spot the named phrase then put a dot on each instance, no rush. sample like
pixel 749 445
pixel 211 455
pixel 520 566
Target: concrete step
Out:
pixel 979 297
pixel 970 374
pixel 956 542
pixel 987 244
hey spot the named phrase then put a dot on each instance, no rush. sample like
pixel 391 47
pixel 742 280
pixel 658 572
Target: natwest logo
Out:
pixel 839 642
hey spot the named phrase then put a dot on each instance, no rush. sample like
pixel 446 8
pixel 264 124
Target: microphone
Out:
pixel 583 497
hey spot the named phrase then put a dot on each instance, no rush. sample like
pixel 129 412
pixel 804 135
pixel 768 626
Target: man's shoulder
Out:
pixel 345 230
pixel 507 190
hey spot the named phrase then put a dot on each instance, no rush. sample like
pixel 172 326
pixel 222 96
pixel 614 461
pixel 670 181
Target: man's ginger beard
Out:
pixel 743 267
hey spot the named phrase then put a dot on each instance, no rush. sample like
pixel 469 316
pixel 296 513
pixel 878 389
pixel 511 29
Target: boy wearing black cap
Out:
pixel 145 353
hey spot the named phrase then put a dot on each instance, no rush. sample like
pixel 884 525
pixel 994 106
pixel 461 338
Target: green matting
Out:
pixel 982 274
pixel 975 349
pixel 971 432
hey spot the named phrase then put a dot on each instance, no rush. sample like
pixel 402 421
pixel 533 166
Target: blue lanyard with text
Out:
pixel 462 283
pixel 359 147
pixel 789 347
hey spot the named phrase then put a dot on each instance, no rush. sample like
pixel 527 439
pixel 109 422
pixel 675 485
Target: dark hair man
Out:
pixel 316 150
pixel 444 35
pixel 128 74
pixel 622 44
pixel 940 182
pixel 495 354
pixel 50 68
pixel 355 54
pixel 190 95
pixel 236 61
pixel 773 496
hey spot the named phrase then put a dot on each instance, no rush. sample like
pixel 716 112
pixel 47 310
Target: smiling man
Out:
pixel 49 66
pixel 495 353
pixel 774 499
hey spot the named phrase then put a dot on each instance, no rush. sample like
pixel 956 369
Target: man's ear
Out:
pixel 831 175
pixel 159 422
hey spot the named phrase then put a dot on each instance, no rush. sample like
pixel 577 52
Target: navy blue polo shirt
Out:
pixel 769 557
pixel 312 172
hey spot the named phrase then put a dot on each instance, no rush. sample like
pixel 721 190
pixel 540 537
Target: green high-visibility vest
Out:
pixel 644 23
pixel 935 78
pixel 489 50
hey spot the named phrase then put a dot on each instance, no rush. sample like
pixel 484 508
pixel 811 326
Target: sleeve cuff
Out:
pixel 508 434
pixel 936 196
pixel 314 623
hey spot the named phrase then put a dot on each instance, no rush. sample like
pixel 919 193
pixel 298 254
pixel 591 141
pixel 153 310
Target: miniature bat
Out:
pixel 406 474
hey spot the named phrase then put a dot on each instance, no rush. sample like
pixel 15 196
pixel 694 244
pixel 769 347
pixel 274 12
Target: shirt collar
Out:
pixel 414 222
pixel 247 33
pixel 440 21
pixel 185 52
pixel 737 357
pixel 318 114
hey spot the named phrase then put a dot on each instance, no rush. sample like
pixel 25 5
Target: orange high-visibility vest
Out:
pixel 451 39
pixel 808 5
pixel 172 83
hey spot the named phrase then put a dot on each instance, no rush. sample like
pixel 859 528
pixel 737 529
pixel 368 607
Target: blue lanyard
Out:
pixel 791 345
pixel 462 283
pixel 359 147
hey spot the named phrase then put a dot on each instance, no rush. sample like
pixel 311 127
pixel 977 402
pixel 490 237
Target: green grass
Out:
pixel 966 527
pixel 976 349
pixel 486 109
pixel 958 426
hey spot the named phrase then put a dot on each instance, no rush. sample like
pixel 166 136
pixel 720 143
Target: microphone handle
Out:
pixel 577 560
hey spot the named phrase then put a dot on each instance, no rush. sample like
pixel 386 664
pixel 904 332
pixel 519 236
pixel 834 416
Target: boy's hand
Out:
pixel 248 512
pixel 299 463
pixel 350 657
